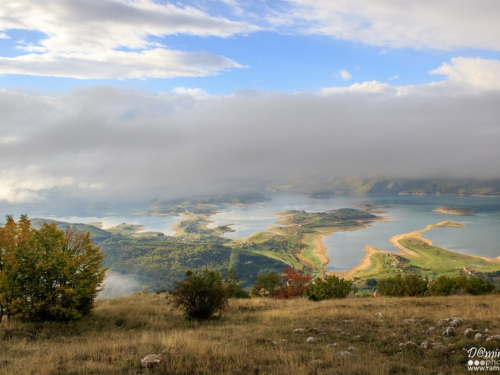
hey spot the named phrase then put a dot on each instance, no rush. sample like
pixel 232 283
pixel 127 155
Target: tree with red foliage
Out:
pixel 294 284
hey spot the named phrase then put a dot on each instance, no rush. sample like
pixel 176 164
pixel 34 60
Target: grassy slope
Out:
pixel 253 337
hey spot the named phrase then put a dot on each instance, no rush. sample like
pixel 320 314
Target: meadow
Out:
pixel 255 336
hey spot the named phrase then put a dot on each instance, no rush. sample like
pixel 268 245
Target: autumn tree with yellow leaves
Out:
pixel 47 273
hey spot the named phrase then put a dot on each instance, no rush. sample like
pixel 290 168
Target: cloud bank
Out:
pixel 125 143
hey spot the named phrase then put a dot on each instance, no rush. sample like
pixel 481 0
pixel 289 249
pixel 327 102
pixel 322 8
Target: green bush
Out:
pixel 444 286
pixel 200 295
pixel 265 285
pixel 233 287
pixel 392 286
pixel 329 287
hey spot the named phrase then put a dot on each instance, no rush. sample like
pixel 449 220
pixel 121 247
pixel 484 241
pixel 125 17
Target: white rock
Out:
pixel 298 330
pixel 448 332
pixel 379 314
pixel 468 332
pixel 407 345
pixel 425 345
pixel 333 345
pixel 311 340
pixel 456 321
pixel 344 353
pixel 151 360
pixel 478 337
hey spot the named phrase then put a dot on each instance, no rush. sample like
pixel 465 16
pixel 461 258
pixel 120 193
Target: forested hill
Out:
pixel 158 261
pixel 359 185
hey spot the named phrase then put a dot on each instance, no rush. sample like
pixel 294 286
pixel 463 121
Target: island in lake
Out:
pixel 455 210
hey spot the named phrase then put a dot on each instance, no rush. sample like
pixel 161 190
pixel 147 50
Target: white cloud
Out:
pixel 195 92
pixel 445 24
pixel 344 74
pixel 99 34
pixel 369 87
pixel 462 75
pixel 157 63
pixel 474 73
pixel 4 36
pixel 394 77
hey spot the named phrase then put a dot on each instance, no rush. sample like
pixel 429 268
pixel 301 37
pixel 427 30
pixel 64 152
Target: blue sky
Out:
pixel 101 96
pixel 286 46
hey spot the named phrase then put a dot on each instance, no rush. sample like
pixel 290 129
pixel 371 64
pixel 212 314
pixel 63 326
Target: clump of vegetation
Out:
pixel 290 284
pixel 294 284
pixel 47 273
pixel 329 287
pixel 445 285
pixel 200 295
pixel 413 285
pixel 265 285
pixel 233 286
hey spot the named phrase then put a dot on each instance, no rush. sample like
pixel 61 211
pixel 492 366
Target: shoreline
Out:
pixel 451 212
pixel 320 251
pixel 366 262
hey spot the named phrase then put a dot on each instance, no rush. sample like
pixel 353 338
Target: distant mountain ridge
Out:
pixel 360 185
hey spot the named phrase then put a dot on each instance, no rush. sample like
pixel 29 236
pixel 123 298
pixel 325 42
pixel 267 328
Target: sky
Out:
pixel 128 98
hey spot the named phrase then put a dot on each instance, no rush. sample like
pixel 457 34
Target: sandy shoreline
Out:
pixel 370 250
pixel 444 211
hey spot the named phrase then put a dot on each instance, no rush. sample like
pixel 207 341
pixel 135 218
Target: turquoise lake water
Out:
pixel 406 213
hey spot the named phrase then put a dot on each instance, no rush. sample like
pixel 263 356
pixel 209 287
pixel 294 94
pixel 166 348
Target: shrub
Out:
pixel 392 286
pixel 445 285
pixel 477 286
pixel 294 283
pixel 415 285
pixel 265 285
pixel 398 286
pixel 233 287
pixel 371 283
pixel 200 295
pixel 329 287
pixel 442 286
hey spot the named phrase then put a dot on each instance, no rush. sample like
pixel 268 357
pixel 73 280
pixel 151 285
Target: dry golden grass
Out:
pixel 253 337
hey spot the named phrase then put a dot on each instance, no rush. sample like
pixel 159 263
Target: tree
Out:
pixel 329 287
pixel 47 273
pixel 200 295
pixel 265 285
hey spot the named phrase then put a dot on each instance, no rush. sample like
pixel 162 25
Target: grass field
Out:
pixel 255 337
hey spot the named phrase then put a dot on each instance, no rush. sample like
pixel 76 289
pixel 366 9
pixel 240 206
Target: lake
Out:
pixel 406 213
